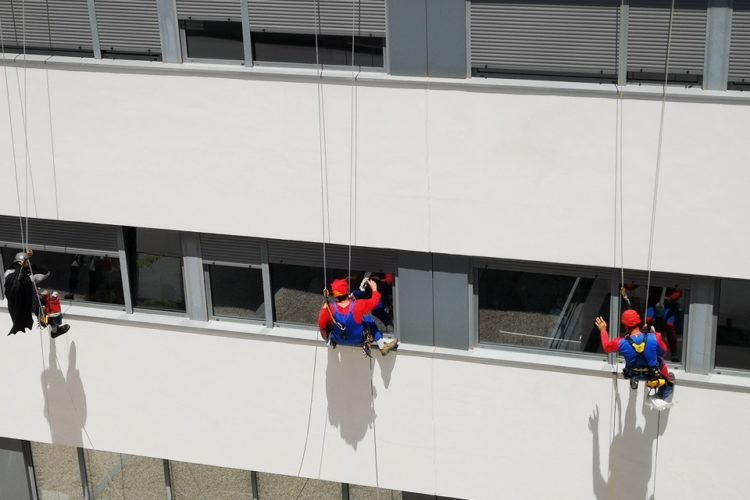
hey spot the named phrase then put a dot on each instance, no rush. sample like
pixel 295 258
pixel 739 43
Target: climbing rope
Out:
pixel 658 158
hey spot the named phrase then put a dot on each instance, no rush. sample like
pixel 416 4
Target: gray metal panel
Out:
pixel 14 483
pixel 52 233
pixel 719 27
pixel 739 51
pixel 300 16
pixel 407 37
pixel 446 38
pixel 192 273
pixel 209 10
pixel 560 36
pixel 701 331
pixel 235 249
pixel 648 29
pixel 450 292
pixel 414 303
pixel 56 24
pixel 337 256
pixel 171 50
pixel 130 26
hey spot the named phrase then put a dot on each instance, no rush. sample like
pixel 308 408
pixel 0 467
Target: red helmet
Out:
pixel 340 288
pixel 676 295
pixel 630 318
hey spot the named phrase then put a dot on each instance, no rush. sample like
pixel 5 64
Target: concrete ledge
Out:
pixel 378 78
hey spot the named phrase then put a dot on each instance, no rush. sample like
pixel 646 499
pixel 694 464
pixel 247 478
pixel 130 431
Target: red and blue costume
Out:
pixel 346 323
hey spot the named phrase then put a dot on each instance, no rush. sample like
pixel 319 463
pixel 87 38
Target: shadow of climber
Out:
pixel 65 399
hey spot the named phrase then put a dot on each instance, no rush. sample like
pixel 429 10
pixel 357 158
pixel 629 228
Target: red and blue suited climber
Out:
pixel 348 321
pixel 644 355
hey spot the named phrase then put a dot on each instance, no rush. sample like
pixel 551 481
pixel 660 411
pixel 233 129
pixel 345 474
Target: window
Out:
pixel 733 330
pixel 553 39
pixel 277 487
pixel 203 481
pixel 298 292
pixel 78 277
pixel 123 477
pixel 368 493
pixel 156 269
pixel 332 49
pixel 213 40
pixel 236 292
pixel 56 471
pixel 541 310
pixel 665 311
pixel 739 46
pixel 648 35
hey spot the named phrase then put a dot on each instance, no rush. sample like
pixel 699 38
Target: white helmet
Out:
pixel 20 257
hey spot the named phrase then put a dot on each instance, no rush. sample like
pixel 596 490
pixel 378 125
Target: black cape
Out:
pixel 19 290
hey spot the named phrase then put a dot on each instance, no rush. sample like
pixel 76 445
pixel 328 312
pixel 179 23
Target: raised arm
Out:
pixel 607 344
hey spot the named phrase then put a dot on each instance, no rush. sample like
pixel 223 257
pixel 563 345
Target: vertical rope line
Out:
pixel 322 146
pixel 12 134
pixel 52 143
pixel 24 113
pixel 374 431
pixel 352 143
pixel 658 159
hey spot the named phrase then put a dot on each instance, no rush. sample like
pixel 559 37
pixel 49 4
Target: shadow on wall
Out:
pixel 351 397
pixel 631 453
pixel 64 399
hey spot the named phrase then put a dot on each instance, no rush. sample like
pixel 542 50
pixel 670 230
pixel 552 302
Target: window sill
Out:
pixel 380 77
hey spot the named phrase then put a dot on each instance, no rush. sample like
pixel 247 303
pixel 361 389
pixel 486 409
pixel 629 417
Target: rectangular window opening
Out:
pixel 236 292
pixel 733 328
pixel 333 50
pixel 213 40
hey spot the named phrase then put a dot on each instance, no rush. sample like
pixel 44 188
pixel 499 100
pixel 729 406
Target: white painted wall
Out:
pixel 474 169
pixel 454 427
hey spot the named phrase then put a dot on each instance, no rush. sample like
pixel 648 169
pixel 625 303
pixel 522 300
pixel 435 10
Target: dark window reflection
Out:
pixel 298 292
pixel 541 310
pixel 733 331
pixel 214 40
pixel 81 278
pixel 156 269
pixel 237 292
pixel 332 49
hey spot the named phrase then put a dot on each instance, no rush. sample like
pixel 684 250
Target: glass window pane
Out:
pixel 367 493
pixel 113 476
pixel 276 487
pixel 332 49
pixel 298 292
pixel 665 312
pixel 733 330
pixel 193 481
pixel 81 278
pixel 541 310
pixel 157 272
pixel 57 473
pixel 214 40
pixel 237 292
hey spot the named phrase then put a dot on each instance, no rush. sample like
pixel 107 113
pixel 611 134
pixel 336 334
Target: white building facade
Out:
pixel 178 165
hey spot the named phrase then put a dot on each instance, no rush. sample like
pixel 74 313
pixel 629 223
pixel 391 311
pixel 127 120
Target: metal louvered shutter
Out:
pixel 556 36
pixel 648 30
pixel 209 10
pixel 128 26
pixel 739 48
pixel 300 16
pixel 235 249
pixel 58 234
pixel 337 256
pixel 48 24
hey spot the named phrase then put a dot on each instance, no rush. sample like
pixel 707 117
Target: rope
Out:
pixel 374 431
pixel 658 158
pixel 352 144
pixel 322 147
pixel 12 134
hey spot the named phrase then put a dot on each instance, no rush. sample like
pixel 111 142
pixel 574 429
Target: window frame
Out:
pixel 74 251
pixel 203 60
pixel 209 297
pixel 714 333
pixel 536 268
